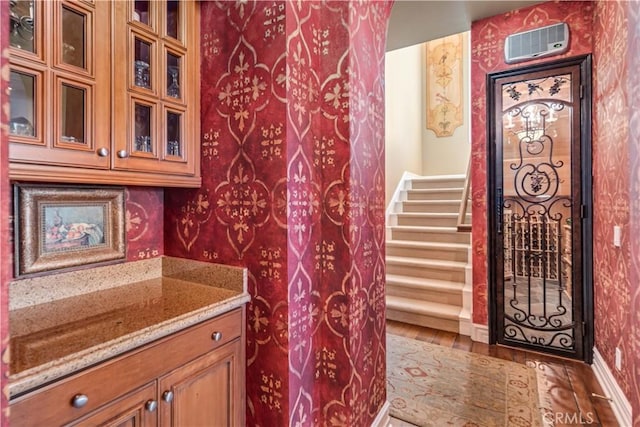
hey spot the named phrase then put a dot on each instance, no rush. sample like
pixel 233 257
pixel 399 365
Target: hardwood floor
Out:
pixel 574 389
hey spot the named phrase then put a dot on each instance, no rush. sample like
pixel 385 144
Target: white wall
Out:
pixel 448 155
pixel 403 114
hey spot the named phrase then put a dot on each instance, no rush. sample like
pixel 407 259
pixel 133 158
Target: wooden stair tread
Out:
pixel 432 201
pixel 428 263
pixel 435 190
pixel 428 214
pixel 420 282
pixel 444 311
pixel 427 245
pixel 424 228
pixel 436 178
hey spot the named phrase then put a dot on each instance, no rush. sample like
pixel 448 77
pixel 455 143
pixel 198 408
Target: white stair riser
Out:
pixel 422 184
pixel 429 236
pixel 458 254
pixel 439 195
pixel 423 320
pixel 441 207
pixel 451 275
pixel 429 221
pixel 425 294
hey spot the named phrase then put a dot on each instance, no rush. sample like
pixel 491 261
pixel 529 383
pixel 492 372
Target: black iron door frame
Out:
pixel 583 257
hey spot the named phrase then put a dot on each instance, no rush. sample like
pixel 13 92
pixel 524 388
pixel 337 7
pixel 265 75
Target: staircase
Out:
pixel 427 258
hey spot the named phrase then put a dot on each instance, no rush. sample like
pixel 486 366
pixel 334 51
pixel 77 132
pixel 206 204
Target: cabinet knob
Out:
pixel 216 336
pixel 151 405
pixel 103 152
pixel 123 154
pixel 79 400
pixel 167 396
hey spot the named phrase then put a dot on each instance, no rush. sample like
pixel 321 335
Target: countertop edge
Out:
pixel 31 379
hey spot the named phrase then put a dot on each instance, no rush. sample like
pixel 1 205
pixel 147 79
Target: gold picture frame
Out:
pixel 59 227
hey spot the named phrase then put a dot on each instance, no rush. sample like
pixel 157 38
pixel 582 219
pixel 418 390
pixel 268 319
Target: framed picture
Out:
pixel 58 227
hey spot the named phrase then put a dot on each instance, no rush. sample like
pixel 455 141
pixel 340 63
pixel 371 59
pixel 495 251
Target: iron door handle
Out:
pixel 499 210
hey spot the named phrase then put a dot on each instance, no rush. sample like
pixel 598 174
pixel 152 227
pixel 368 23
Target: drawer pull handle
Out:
pixel 79 400
pixel 167 396
pixel 151 405
pixel 216 336
pixel 103 152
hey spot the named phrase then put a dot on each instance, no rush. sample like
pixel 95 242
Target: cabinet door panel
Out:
pixel 132 410
pixel 74 50
pixel 26 111
pixel 74 123
pixel 68 90
pixel 25 27
pixel 207 391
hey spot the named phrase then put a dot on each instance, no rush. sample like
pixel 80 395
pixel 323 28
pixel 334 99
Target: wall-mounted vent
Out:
pixel 545 41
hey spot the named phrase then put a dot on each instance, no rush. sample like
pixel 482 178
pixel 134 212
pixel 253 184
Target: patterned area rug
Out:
pixel 431 385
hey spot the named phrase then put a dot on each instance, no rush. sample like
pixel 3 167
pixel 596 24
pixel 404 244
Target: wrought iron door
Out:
pixel 540 192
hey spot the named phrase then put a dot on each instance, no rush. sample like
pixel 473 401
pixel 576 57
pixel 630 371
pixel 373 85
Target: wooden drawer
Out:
pixel 52 404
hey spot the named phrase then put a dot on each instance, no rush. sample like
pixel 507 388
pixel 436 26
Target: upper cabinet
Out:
pixel 104 92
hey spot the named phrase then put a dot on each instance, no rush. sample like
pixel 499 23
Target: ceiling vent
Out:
pixel 545 41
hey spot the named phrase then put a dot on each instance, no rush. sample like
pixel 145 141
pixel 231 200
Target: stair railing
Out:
pixel 464 226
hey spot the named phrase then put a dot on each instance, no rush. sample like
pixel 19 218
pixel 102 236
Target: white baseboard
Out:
pixel 383 419
pixel 480 333
pixel 619 403
pixel 464 323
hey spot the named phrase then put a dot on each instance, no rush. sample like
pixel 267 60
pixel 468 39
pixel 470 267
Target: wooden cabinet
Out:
pixel 193 377
pixel 105 92
pixel 134 409
pixel 60 85
pixel 204 390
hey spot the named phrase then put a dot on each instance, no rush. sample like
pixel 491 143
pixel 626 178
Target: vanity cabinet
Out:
pixel 193 377
pixel 105 92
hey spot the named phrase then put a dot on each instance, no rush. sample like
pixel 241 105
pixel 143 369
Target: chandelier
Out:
pixel 534 122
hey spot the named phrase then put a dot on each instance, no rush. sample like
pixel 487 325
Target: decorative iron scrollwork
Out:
pixel 537 308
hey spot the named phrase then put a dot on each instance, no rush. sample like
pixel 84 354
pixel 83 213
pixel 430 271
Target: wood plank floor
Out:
pixel 574 389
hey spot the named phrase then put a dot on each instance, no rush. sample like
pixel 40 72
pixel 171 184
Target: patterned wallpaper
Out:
pixel 616 275
pixel 611 191
pixel 144 219
pixel 5 203
pixel 293 189
pixel 633 87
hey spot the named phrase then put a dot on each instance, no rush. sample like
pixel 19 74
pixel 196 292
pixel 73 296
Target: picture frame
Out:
pixel 58 227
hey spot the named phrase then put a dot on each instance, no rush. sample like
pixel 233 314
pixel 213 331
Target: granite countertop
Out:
pixel 62 323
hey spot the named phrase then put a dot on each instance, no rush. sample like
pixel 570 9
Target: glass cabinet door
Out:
pixel 72 121
pixel 142 64
pixel 173 75
pixel 174 134
pixel 74 28
pixel 60 91
pixel 143 128
pixel 22 99
pixel 23 25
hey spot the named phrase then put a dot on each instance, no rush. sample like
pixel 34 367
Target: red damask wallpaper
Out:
pixel 608 29
pixel 633 87
pixel 5 203
pixel 611 191
pixel 293 189
pixel 144 222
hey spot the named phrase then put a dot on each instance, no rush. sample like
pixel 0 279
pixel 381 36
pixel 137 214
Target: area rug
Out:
pixel 432 385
